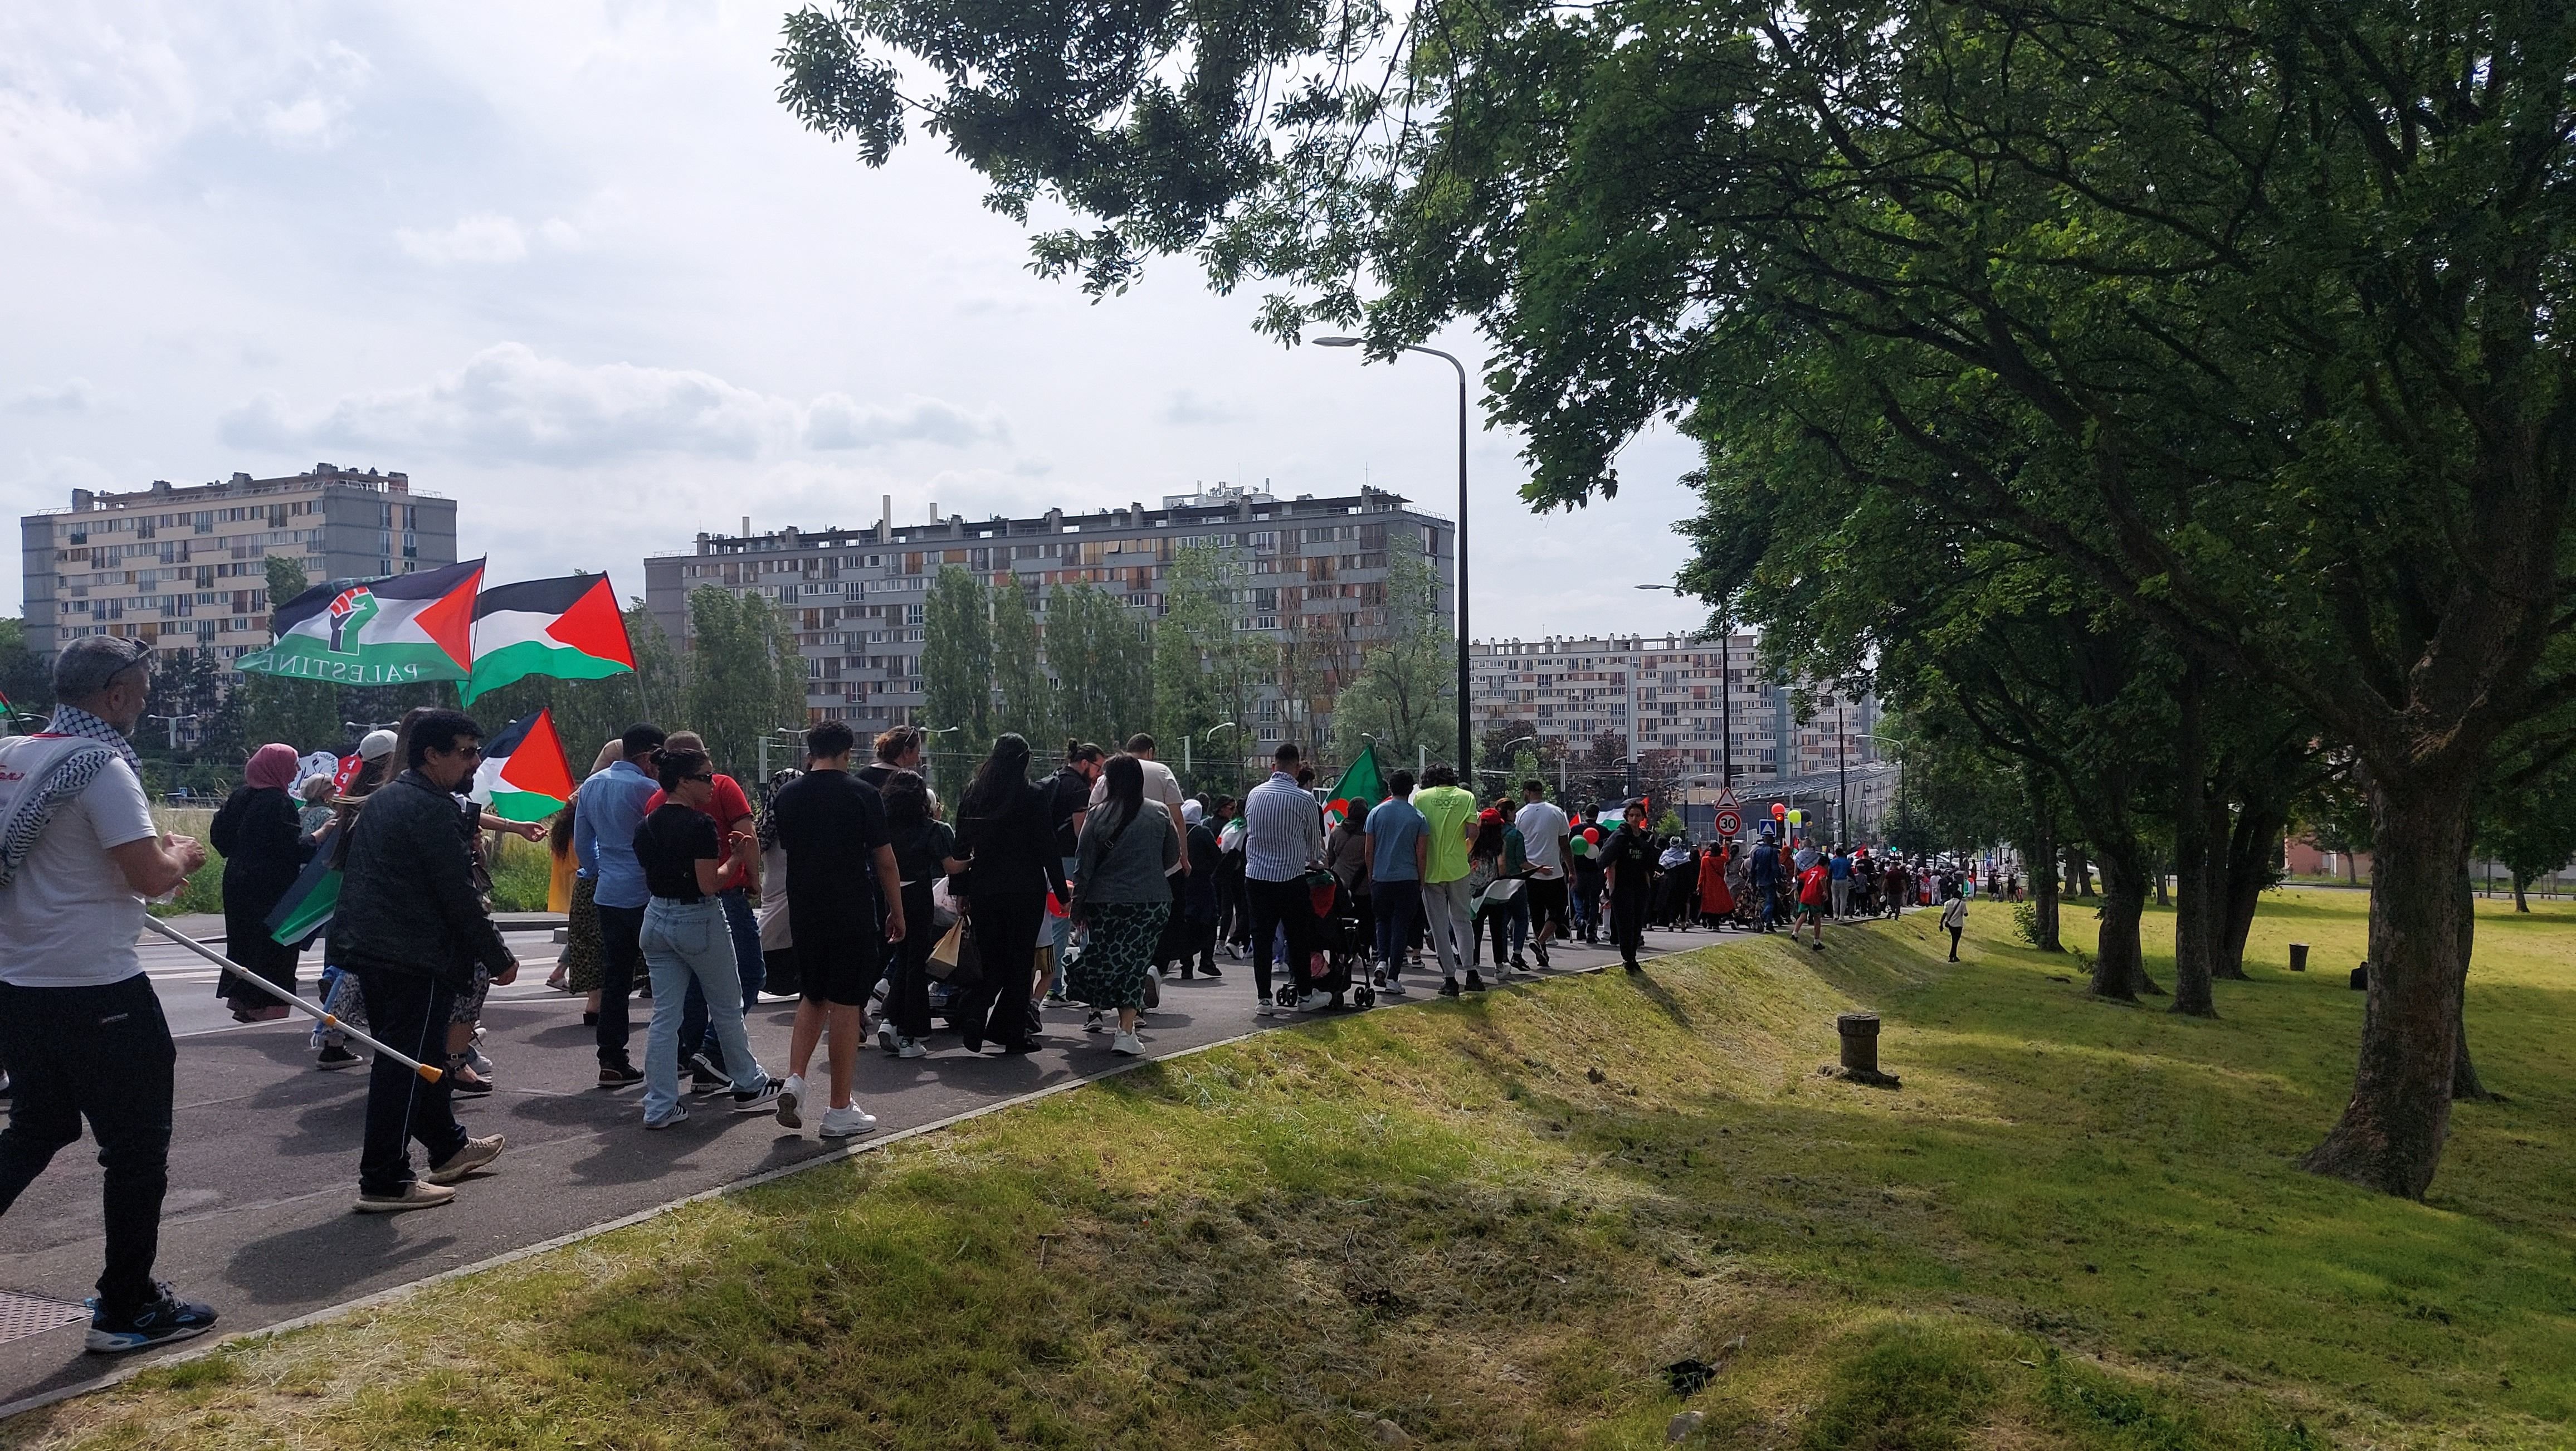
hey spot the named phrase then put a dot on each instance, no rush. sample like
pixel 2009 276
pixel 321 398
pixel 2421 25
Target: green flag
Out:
pixel 1361 785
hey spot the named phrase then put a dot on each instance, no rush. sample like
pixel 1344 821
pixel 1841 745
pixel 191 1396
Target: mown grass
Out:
pixel 1493 1223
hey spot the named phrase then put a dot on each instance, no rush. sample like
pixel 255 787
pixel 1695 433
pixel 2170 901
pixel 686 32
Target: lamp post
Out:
pixel 1505 770
pixel 1466 749
pixel 1227 725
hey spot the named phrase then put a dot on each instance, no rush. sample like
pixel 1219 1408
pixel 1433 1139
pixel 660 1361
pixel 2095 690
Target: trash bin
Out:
pixel 1860 1042
pixel 2298 957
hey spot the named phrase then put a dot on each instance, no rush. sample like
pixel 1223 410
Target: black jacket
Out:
pixel 1012 841
pixel 407 901
pixel 263 848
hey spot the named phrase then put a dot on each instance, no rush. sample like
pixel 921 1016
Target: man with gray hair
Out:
pixel 79 1023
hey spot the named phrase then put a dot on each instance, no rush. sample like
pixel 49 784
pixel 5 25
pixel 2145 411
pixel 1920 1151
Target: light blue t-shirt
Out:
pixel 1839 867
pixel 1395 826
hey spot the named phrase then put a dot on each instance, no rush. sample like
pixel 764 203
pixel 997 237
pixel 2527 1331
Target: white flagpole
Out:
pixel 163 929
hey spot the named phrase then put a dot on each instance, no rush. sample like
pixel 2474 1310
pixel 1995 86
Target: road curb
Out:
pixel 395 1293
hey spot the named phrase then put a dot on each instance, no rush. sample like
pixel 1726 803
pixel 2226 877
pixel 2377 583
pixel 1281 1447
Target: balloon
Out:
pixel 1592 836
pixel 1582 847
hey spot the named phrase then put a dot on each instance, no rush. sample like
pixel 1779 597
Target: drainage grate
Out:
pixel 25 1315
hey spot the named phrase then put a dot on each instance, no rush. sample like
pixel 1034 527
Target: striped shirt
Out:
pixel 1283 830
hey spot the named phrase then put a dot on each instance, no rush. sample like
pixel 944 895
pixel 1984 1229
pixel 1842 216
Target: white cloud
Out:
pixel 72 396
pixel 484 237
pixel 834 421
pixel 1187 408
pixel 314 120
pixel 511 404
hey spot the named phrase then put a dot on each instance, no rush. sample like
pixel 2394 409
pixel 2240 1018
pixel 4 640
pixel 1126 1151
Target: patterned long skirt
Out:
pixel 582 952
pixel 1114 963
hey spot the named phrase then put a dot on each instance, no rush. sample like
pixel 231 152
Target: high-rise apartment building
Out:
pixel 856 595
pixel 1662 693
pixel 185 566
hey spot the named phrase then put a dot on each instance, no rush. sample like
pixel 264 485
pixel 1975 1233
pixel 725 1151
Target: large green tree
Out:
pixel 745 678
pixel 957 672
pixel 2278 285
pixel 1027 695
pixel 1405 696
pixel 1103 664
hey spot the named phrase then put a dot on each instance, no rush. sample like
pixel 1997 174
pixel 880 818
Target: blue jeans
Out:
pixel 684 943
pixel 1399 909
pixel 694 1037
pixel 1063 927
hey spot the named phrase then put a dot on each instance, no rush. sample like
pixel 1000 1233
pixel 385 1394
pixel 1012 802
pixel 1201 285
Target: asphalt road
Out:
pixel 265 1154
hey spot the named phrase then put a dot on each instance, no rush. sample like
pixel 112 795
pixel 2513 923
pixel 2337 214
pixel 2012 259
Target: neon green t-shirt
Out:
pixel 1446 810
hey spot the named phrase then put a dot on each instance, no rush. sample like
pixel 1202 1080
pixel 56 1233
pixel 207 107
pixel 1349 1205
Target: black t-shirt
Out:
pixel 1071 793
pixel 830 825
pixel 1629 853
pixel 670 844
pixel 921 852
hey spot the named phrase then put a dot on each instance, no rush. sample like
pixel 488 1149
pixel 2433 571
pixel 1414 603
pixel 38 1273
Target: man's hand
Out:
pixel 507 976
pixel 190 851
pixel 527 830
pixel 894 923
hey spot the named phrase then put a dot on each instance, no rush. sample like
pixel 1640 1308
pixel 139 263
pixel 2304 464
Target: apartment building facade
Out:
pixel 185 566
pixel 1663 693
pixel 857 596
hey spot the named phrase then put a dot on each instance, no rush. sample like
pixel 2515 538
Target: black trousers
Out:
pixel 102 1054
pixel 1005 925
pixel 409 1013
pixel 1274 905
pixel 1628 921
pixel 908 964
pixel 621 961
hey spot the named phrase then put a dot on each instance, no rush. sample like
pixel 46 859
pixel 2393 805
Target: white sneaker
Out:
pixel 1097 1022
pixel 887 1038
pixel 1309 1002
pixel 790 1094
pixel 1394 988
pixel 912 1048
pixel 1264 1009
pixel 1127 1043
pixel 847 1123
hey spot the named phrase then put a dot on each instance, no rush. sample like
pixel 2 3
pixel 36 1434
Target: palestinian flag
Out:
pixel 398 630
pixel 304 913
pixel 524 776
pixel 1360 787
pixel 567 628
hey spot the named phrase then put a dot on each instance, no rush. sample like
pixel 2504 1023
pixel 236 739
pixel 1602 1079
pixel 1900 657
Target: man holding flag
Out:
pixel 80 1025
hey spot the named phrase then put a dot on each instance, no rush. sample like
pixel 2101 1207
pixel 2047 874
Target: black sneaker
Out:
pixel 705 1077
pixel 1631 965
pixel 165 1318
pixel 467 1085
pixel 1448 987
pixel 1541 949
pixel 1208 969
pixel 619 1075
pixel 335 1056
pixel 1475 984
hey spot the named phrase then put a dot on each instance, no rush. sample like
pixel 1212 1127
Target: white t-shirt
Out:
pixel 1543 829
pixel 70 918
pixel 1160 785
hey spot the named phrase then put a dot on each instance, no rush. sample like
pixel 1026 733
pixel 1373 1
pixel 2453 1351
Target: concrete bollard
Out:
pixel 2298 957
pixel 1860 1043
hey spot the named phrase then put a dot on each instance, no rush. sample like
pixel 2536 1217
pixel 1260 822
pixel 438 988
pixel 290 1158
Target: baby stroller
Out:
pixel 1336 966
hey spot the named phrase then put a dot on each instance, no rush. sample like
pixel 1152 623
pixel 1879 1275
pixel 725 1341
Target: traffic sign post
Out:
pixel 1729 825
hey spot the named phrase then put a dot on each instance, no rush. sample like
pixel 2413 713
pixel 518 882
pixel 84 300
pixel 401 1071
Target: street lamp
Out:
pixel 1227 725
pixel 1505 770
pixel 1466 750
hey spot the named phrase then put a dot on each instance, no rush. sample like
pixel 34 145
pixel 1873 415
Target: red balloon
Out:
pixel 1592 834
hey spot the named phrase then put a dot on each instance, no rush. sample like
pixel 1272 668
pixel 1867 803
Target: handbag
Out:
pixel 954 961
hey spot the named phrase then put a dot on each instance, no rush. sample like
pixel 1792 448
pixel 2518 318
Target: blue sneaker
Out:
pixel 158 1321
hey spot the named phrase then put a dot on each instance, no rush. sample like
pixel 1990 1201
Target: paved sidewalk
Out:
pixel 264 1159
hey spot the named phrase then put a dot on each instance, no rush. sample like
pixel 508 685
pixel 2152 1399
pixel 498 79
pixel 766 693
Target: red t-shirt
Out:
pixel 728 807
pixel 1811 886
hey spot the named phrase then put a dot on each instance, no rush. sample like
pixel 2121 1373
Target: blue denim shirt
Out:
pixel 603 835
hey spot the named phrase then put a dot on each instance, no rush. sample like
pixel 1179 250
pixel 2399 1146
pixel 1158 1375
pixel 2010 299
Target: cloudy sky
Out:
pixel 571 265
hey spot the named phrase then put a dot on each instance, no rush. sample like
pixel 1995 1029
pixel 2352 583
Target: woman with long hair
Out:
pixel 1124 900
pixel 925 849
pixel 1006 832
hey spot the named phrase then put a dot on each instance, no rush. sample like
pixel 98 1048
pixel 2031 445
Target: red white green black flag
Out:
pixel 524 775
pixel 397 630
pixel 567 628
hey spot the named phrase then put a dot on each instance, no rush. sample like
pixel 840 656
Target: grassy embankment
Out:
pixel 518 875
pixel 1494 1223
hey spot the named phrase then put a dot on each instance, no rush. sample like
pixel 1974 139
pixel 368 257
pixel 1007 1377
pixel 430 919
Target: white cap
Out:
pixel 376 745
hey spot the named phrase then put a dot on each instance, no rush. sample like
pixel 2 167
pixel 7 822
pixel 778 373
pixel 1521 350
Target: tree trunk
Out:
pixel 2164 888
pixel 2253 855
pixel 2390 1136
pixel 2079 873
pixel 2039 858
pixel 2120 969
pixel 2196 922
pixel 2521 903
